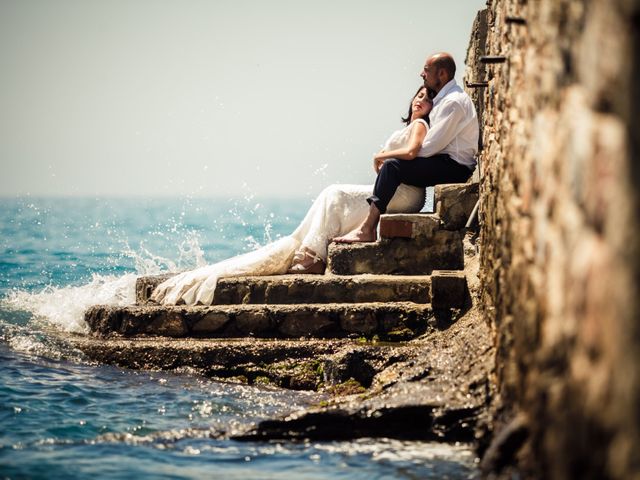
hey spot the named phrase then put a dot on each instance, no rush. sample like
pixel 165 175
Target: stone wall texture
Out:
pixel 559 214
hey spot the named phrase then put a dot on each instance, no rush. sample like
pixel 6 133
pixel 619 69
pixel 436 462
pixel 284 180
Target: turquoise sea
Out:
pixel 64 417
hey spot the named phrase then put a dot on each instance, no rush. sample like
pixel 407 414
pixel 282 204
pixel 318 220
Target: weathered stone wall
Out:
pixel 560 254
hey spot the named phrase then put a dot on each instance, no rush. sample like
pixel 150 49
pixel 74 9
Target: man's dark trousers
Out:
pixel 420 172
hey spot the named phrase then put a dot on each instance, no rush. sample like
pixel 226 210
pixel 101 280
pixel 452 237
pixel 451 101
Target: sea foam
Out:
pixel 64 306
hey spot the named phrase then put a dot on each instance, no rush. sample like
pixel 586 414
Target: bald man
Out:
pixel 448 150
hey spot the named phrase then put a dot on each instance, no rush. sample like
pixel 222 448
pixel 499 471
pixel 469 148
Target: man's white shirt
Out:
pixel 454 126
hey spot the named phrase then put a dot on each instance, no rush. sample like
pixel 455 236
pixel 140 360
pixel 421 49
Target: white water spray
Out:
pixel 64 307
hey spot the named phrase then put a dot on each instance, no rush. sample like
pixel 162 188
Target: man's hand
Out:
pixel 377 164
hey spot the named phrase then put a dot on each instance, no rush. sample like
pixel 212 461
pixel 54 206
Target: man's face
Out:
pixel 430 75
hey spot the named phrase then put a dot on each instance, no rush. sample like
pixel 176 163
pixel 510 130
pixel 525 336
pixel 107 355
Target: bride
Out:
pixel 337 210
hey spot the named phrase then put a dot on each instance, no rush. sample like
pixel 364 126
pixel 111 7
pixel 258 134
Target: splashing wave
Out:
pixel 63 307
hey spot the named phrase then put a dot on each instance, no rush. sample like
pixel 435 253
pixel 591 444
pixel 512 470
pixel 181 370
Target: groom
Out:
pixel 451 145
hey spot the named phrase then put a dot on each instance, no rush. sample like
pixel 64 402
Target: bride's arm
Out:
pixel 410 150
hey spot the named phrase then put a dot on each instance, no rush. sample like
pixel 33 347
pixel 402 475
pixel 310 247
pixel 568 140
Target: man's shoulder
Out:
pixel 456 94
pixel 457 97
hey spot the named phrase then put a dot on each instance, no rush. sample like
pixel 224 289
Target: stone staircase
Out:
pixel 391 289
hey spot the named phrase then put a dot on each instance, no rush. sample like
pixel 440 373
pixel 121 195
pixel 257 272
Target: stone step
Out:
pixel 295 289
pixel 389 321
pixel 412 244
pixel 443 289
pixel 400 255
pixel 454 204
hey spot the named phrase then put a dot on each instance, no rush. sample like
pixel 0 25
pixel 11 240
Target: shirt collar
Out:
pixel 450 85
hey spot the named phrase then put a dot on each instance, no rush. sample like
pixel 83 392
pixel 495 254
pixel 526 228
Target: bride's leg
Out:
pixel 307 258
pixel 310 220
pixel 388 180
pixel 343 208
pixel 366 231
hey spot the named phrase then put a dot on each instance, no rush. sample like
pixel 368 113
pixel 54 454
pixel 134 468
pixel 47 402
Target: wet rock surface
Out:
pixel 435 388
pixel 431 388
pixel 290 364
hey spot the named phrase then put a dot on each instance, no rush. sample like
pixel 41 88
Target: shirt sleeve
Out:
pixel 445 131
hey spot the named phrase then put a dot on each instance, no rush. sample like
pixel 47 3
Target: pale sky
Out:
pixel 208 98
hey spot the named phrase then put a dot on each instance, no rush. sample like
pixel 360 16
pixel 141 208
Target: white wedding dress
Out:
pixel 336 211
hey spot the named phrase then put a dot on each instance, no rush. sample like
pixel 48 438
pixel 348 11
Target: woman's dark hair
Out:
pixel 407 120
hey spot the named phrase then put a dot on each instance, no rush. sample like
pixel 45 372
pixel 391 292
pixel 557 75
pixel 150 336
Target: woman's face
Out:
pixel 421 104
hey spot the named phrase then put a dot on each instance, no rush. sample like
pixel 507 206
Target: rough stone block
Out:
pixel 454 203
pixel 307 323
pixel 390 321
pixel 146 285
pixel 211 322
pixel 448 289
pixel 103 319
pixel 169 324
pixel 252 322
pixel 362 322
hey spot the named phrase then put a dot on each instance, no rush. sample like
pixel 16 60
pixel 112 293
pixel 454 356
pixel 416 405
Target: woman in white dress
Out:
pixel 337 210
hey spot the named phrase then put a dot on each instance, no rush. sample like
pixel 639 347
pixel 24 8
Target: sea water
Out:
pixel 62 416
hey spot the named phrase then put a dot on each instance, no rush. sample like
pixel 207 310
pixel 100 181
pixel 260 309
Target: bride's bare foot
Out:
pixel 357 236
pixel 367 230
